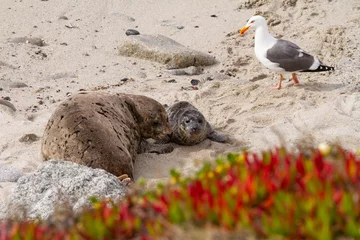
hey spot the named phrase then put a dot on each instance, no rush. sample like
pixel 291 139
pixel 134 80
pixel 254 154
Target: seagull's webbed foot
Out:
pixel 278 86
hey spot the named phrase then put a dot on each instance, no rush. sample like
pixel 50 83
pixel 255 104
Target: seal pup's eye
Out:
pixel 200 121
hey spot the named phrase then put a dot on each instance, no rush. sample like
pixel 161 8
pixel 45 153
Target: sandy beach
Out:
pixel 50 50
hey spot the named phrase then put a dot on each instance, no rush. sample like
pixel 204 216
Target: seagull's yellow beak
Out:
pixel 244 29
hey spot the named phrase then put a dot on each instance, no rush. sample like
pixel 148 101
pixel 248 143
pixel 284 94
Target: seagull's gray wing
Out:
pixel 289 56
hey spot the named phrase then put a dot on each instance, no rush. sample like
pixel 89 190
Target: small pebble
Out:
pixel 7 98
pixel 68 94
pixel 209 78
pixel 63 18
pixel 213 15
pixel 29 138
pixel 132 32
pixel 171 81
pixel 180 27
pixel 124 79
pixel 194 82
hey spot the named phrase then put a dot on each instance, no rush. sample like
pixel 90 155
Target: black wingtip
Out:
pixel 321 68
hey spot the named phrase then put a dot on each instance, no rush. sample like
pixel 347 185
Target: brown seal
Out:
pixel 190 126
pixel 105 131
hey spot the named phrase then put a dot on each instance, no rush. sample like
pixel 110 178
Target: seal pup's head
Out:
pixel 192 126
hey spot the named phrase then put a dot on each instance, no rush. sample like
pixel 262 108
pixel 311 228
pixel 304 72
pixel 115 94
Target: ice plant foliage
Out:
pixel 296 196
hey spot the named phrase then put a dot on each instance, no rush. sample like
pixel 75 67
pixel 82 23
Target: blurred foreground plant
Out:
pixel 275 194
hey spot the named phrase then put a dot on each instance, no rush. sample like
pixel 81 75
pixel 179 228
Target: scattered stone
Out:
pixel 68 94
pixel 124 79
pixel 9 174
pixel 70 26
pixel 213 15
pixel 164 50
pixel 132 32
pixel 180 27
pixel 194 82
pixel 170 81
pixel 59 183
pixel 29 138
pixel 186 71
pixel 63 18
pixel 7 98
pixel 210 78
pixel 196 26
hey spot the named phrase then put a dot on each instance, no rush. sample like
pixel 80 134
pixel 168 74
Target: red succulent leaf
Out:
pixel 160 207
pixel 300 166
pixel 337 196
pixel 319 162
pixel 3 232
pixel 352 167
pixel 285 182
pixel 107 211
pixel 268 202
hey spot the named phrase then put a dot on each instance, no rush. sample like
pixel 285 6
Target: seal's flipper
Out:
pixel 214 136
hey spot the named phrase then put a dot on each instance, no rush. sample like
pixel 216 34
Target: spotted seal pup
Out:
pixel 105 131
pixel 190 126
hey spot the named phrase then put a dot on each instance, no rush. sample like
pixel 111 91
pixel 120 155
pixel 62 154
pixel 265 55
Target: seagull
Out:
pixel 280 55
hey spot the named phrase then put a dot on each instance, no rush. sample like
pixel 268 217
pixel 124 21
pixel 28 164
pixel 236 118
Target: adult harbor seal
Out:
pixel 190 126
pixel 105 131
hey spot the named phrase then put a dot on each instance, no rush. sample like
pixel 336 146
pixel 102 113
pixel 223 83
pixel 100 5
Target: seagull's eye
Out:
pixel 252 21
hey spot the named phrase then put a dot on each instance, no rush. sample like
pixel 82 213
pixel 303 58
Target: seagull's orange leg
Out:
pixel 296 80
pixel 278 86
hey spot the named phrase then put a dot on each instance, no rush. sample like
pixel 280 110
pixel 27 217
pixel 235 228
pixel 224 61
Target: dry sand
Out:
pixel 81 40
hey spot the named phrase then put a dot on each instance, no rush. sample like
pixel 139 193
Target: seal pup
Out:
pixel 105 131
pixel 190 126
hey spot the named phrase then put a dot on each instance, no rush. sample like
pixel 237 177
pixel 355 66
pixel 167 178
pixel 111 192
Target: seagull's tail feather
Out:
pixel 321 68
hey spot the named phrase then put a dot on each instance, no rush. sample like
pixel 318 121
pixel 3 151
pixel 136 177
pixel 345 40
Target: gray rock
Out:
pixel 8 174
pixel 56 184
pixel 164 50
